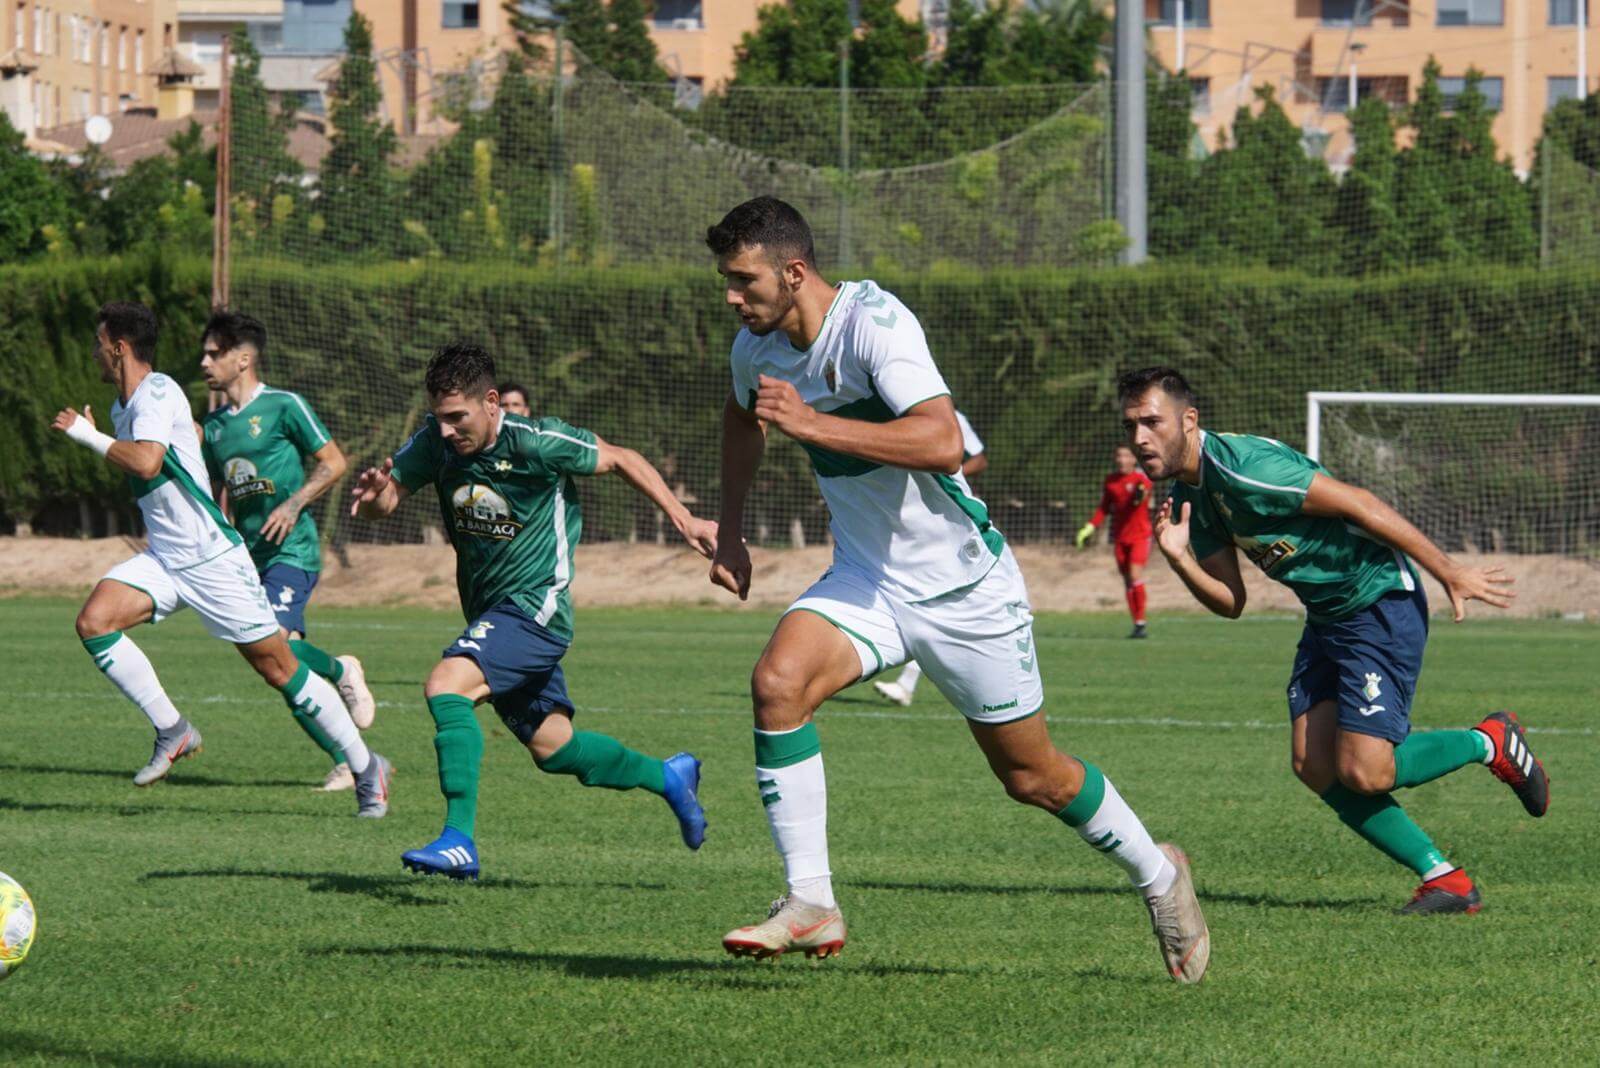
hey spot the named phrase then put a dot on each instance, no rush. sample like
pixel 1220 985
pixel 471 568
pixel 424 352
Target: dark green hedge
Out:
pixel 641 357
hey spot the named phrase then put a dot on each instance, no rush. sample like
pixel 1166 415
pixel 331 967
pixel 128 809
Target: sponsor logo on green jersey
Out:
pixel 243 481
pixel 482 512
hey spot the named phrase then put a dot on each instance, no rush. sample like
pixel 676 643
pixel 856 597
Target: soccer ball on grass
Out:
pixel 18 924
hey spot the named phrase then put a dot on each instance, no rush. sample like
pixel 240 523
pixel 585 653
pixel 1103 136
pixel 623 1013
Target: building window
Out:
pixel 460 15
pixel 122 48
pixel 1564 12
pixel 1493 90
pixel 1559 89
pixel 266 36
pixel 1200 95
pixel 19 28
pixel 1472 12
pixel 678 15
pixel 105 44
pixel 83 104
pixel 138 53
pixel 38 36
pixel 1165 12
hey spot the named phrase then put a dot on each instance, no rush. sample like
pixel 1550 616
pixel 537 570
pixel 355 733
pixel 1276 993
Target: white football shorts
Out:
pixel 975 644
pixel 224 591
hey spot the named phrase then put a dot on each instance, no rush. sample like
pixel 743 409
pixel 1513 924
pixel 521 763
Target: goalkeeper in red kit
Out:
pixel 1126 499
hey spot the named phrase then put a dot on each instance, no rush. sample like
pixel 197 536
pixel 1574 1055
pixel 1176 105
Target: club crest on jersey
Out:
pixel 255 426
pixel 502 465
pixel 483 512
pixel 240 474
pixel 830 375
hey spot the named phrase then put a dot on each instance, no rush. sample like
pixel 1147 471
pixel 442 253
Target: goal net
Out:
pixel 1500 473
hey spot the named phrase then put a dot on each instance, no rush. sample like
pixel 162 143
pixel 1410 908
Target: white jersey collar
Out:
pixel 235 409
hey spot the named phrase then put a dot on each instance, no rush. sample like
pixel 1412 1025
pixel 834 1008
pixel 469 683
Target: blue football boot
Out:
pixel 452 854
pixel 681 777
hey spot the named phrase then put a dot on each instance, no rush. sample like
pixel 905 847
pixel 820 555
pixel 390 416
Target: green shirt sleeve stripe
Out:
pixel 311 417
pixel 1237 477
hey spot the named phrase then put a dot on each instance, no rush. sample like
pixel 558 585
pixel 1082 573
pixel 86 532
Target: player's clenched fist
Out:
pixel 779 403
pixel 373 494
pixel 730 568
pixel 1172 534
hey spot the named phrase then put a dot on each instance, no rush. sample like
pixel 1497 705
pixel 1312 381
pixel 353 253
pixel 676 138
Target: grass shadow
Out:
pixel 19 1044
pixel 177 778
pixel 725 972
pixel 9 805
pixel 390 889
pixel 1207 897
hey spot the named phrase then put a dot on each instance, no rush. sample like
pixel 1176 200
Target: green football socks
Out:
pixel 1382 822
pixel 459 742
pixel 308 723
pixel 600 760
pixel 316 660
pixel 1426 756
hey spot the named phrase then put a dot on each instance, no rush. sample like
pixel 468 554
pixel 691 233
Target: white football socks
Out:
pixel 795 793
pixel 909 676
pixel 317 696
pixel 1104 820
pixel 125 664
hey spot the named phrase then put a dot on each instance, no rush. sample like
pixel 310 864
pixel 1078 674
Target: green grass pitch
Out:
pixel 232 916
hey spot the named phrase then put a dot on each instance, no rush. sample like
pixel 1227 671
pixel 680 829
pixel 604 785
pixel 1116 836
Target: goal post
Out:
pixel 1486 472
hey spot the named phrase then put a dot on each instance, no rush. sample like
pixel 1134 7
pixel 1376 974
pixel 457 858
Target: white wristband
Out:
pixel 83 432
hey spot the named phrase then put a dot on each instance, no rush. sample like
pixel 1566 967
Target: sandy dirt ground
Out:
pixel 1059 580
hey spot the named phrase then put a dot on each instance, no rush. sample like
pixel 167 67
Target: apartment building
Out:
pixel 64 60
pixel 1320 55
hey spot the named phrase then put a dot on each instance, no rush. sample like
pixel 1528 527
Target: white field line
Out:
pixel 949 716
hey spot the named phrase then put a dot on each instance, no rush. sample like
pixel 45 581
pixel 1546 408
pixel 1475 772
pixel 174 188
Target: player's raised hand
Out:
pixel 371 485
pixel 701 534
pixel 281 521
pixel 1491 585
pixel 1172 534
pixel 730 567
pixel 67 416
pixel 779 403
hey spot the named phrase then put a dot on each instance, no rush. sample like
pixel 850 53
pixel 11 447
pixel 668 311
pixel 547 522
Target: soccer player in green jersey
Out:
pixel 255 449
pixel 505 491
pixel 1348 556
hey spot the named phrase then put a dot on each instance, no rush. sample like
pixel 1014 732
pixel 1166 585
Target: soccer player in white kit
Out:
pixel 918 572
pixel 195 558
pixel 974 459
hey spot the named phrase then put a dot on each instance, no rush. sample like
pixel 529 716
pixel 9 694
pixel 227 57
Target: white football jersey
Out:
pixel 971 443
pixel 183 522
pixel 921 535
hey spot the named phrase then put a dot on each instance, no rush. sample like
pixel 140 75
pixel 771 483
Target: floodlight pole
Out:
pixel 222 215
pixel 1583 49
pixel 845 252
pixel 1132 210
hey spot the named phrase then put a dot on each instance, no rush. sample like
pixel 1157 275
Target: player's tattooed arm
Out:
pixel 141 459
pixel 376 492
pixel 744 440
pixel 330 467
pixel 1214 581
pixel 925 438
pixel 641 474
pixel 1340 500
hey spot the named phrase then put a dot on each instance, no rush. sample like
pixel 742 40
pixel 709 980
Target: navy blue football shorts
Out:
pixel 1368 663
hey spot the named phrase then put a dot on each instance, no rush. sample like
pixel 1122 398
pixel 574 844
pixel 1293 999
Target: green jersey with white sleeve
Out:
pixel 1250 495
pixel 511 510
pixel 258 452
